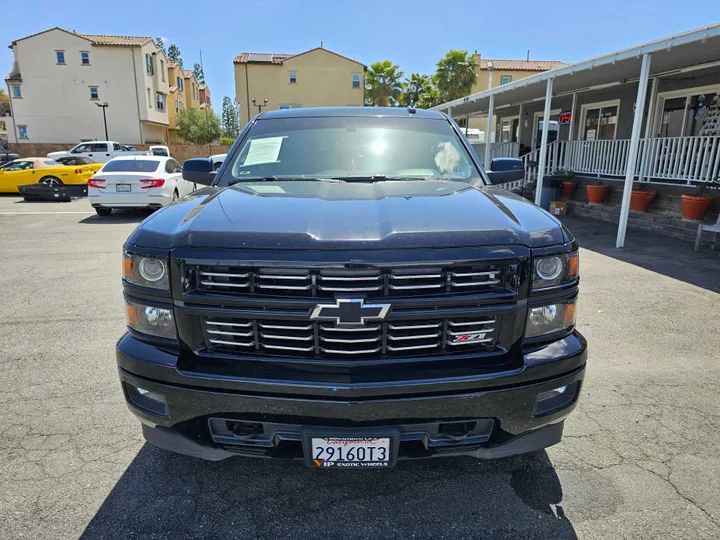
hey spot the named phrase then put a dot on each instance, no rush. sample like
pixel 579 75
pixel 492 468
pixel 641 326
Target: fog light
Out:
pixel 152 402
pixel 556 399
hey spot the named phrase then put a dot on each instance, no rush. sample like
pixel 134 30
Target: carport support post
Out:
pixel 488 130
pixel 633 152
pixel 543 141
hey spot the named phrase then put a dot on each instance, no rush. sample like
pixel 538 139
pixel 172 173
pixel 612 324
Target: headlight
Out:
pixel 146 271
pixel 549 319
pixel 150 320
pixel 555 270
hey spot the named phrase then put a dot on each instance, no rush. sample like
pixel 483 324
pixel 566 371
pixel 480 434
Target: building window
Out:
pixel 599 121
pixel 177 106
pixel 16 93
pixel 356 80
pixel 160 101
pixel 505 79
pixel 149 98
pixel 149 64
pixel 84 58
pixel 60 57
pixel 180 84
pixel 94 92
pixel 162 70
pixel 283 107
pixel 293 77
pixel 22 132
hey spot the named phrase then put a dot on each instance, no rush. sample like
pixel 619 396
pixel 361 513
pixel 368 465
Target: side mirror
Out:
pixel 503 170
pixel 198 171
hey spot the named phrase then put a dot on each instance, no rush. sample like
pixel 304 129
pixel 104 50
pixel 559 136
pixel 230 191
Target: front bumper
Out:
pixel 499 411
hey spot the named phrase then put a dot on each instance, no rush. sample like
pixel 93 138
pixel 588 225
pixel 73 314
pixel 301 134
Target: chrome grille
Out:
pixel 323 340
pixel 372 282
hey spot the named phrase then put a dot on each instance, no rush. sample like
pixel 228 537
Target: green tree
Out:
pixel 199 73
pixel 382 84
pixel 198 127
pixel 430 97
pixel 4 103
pixel 456 74
pixel 230 119
pixel 413 88
pixel 161 45
pixel 173 54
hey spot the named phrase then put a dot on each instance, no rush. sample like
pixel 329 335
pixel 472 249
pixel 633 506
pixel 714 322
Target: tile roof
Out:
pixel 100 40
pixel 187 73
pixel 521 65
pixel 121 41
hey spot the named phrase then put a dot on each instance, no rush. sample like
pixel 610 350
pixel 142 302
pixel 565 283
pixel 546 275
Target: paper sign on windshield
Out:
pixel 263 150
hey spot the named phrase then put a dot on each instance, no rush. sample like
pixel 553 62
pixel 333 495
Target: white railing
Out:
pixel 553 161
pixel 689 159
pixel 506 149
pixel 692 159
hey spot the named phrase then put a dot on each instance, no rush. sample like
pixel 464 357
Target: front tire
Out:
pixel 103 211
pixel 50 181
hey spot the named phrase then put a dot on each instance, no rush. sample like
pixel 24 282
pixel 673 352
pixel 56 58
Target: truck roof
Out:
pixel 394 112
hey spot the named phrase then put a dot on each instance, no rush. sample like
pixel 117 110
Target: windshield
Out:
pixel 131 165
pixel 350 148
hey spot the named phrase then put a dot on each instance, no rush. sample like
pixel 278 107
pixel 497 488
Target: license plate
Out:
pixel 123 188
pixel 350 452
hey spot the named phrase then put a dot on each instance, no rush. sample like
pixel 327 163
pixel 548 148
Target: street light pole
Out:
pixel 104 106
pixel 259 105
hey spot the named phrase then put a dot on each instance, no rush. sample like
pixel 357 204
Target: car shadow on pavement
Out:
pixel 164 495
pixel 118 216
pixel 668 256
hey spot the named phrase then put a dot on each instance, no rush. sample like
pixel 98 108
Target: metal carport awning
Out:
pixel 672 54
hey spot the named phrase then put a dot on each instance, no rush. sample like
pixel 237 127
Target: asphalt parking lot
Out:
pixel 639 459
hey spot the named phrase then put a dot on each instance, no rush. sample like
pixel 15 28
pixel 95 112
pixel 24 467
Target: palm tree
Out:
pixel 413 88
pixel 382 84
pixel 456 74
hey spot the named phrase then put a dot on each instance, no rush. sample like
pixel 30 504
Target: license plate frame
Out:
pixel 126 188
pixel 393 440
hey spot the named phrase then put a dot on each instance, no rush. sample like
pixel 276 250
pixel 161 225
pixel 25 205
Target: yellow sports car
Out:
pixel 44 171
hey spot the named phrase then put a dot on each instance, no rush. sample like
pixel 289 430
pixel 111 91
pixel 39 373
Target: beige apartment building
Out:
pixel 60 80
pixel 314 78
pixel 493 73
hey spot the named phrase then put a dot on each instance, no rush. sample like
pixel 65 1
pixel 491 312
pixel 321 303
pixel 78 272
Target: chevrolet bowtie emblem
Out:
pixel 350 312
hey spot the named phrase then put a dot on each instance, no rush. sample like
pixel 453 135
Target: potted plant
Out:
pixel 597 192
pixel 695 206
pixel 642 196
pixel 568 185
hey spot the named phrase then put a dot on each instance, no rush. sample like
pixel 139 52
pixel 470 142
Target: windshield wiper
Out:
pixel 285 179
pixel 378 178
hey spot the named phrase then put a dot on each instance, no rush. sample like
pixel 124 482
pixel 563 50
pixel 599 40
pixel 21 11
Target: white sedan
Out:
pixel 137 182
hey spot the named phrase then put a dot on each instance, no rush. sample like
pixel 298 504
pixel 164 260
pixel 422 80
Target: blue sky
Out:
pixel 414 35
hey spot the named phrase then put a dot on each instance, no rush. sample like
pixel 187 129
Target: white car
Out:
pixel 104 151
pixel 217 160
pixel 137 182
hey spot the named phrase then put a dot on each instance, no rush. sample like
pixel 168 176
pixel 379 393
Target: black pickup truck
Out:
pixel 351 289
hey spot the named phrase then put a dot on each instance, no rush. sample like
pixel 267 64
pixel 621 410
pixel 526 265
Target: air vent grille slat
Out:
pixel 461 278
pixel 404 337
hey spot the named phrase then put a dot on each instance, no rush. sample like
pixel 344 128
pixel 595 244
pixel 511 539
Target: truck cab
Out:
pixel 99 151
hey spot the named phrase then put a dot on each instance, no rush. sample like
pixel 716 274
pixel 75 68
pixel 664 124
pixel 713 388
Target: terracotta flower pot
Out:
pixel 596 194
pixel 694 207
pixel 641 200
pixel 568 188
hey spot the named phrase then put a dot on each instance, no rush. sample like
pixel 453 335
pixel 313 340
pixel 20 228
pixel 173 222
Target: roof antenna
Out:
pixel 321 44
pixel 528 56
pixel 411 107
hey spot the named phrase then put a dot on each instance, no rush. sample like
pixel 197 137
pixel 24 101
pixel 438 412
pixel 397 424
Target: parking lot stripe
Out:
pixel 38 213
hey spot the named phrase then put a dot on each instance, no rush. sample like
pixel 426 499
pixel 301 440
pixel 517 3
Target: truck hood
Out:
pixel 61 154
pixel 349 215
